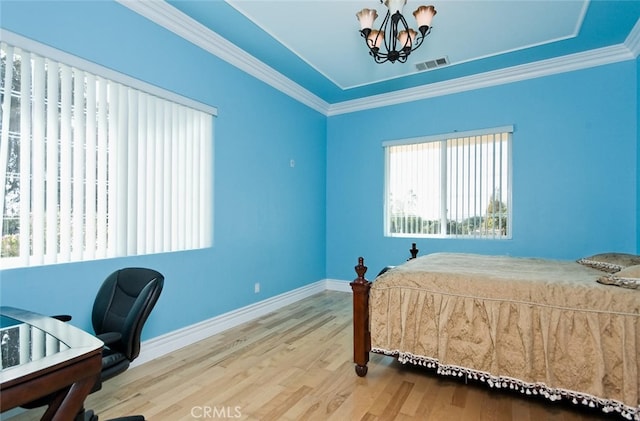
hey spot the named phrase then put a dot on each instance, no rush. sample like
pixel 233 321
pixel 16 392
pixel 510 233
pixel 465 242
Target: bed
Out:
pixel 559 329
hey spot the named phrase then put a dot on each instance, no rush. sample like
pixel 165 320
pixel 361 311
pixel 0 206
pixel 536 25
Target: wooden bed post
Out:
pixel 414 251
pixel 361 335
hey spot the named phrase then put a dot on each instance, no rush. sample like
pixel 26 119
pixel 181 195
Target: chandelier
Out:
pixel 398 38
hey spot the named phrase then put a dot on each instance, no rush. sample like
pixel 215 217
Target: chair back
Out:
pixel 123 304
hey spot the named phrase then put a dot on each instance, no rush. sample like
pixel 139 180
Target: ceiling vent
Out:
pixel 432 64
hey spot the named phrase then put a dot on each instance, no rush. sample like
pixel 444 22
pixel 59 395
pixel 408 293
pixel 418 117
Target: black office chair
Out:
pixel 120 310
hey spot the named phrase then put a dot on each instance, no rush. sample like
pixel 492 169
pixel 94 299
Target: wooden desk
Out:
pixel 43 356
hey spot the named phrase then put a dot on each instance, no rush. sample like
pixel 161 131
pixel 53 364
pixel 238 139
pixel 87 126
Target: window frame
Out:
pixel 444 218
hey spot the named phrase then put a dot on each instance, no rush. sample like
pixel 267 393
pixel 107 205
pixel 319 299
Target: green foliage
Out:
pixel 496 220
pixel 406 224
pixel 10 246
pixel 494 223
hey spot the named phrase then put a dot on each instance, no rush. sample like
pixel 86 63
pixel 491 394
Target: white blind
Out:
pixel 92 168
pixel 450 185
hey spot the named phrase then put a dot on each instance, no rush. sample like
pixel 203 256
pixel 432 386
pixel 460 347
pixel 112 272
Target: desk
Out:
pixel 41 356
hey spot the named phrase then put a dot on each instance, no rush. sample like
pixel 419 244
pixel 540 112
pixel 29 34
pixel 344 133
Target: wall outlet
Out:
pixel 256 287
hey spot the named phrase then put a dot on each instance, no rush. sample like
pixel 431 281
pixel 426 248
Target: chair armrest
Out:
pixel 62 317
pixel 109 337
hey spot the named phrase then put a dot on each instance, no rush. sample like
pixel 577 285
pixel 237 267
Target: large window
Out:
pixel 92 167
pixel 455 185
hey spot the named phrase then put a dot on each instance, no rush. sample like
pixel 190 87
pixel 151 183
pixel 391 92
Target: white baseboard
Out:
pixel 172 341
pixel 336 285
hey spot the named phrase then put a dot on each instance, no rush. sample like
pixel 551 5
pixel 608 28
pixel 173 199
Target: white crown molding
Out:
pixel 572 62
pixel 172 341
pixel 633 40
pixel 172 19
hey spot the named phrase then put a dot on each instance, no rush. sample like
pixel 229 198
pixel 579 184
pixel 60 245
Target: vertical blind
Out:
pixel 92 168
pixel 450 185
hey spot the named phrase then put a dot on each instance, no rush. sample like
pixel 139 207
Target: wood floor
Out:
pixel 295 364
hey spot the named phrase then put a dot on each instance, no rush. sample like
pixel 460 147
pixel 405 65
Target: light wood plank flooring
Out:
pixel 296 364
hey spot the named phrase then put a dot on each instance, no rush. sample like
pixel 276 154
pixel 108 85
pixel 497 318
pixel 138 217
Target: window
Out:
pixel 91 167
pixel 455 185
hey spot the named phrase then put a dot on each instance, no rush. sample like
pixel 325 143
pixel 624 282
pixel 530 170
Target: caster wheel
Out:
pixel 361 370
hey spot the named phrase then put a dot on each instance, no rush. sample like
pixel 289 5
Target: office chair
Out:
pixel 121 308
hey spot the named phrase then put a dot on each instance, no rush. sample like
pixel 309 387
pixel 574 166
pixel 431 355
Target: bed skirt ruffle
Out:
pixel 502 382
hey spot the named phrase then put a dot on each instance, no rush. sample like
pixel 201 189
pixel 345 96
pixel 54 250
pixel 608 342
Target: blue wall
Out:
pixel 269 218
pixel 575 179
pixel 575 171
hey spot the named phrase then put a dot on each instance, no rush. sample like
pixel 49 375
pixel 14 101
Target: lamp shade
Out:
pixel 395 5
pixel 424 15
pixel 366 18
pixel 406 38
pixel 375 38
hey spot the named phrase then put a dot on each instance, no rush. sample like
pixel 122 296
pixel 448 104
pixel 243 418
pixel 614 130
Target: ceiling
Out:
pixel 317 47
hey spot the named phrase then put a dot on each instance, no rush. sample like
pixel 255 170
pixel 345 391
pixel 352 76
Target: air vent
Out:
pixel 432 64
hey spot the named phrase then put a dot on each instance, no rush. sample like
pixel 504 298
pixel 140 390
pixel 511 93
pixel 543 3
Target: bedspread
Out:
pixel 537 325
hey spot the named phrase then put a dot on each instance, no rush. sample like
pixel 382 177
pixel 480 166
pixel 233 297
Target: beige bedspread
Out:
pixel 540 326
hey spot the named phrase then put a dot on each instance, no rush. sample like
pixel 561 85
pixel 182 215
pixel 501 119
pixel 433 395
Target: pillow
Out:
pixel 610 262
pixel 626 278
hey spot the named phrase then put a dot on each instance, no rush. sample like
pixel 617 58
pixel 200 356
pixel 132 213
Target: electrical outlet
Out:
pixel 256 287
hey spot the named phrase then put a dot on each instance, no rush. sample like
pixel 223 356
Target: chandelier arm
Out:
pixel 406 49
pixel 405 27
pixel 424 31
pixel 393 32
pixel 383 26
pixel 378 59
pixel 390 38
